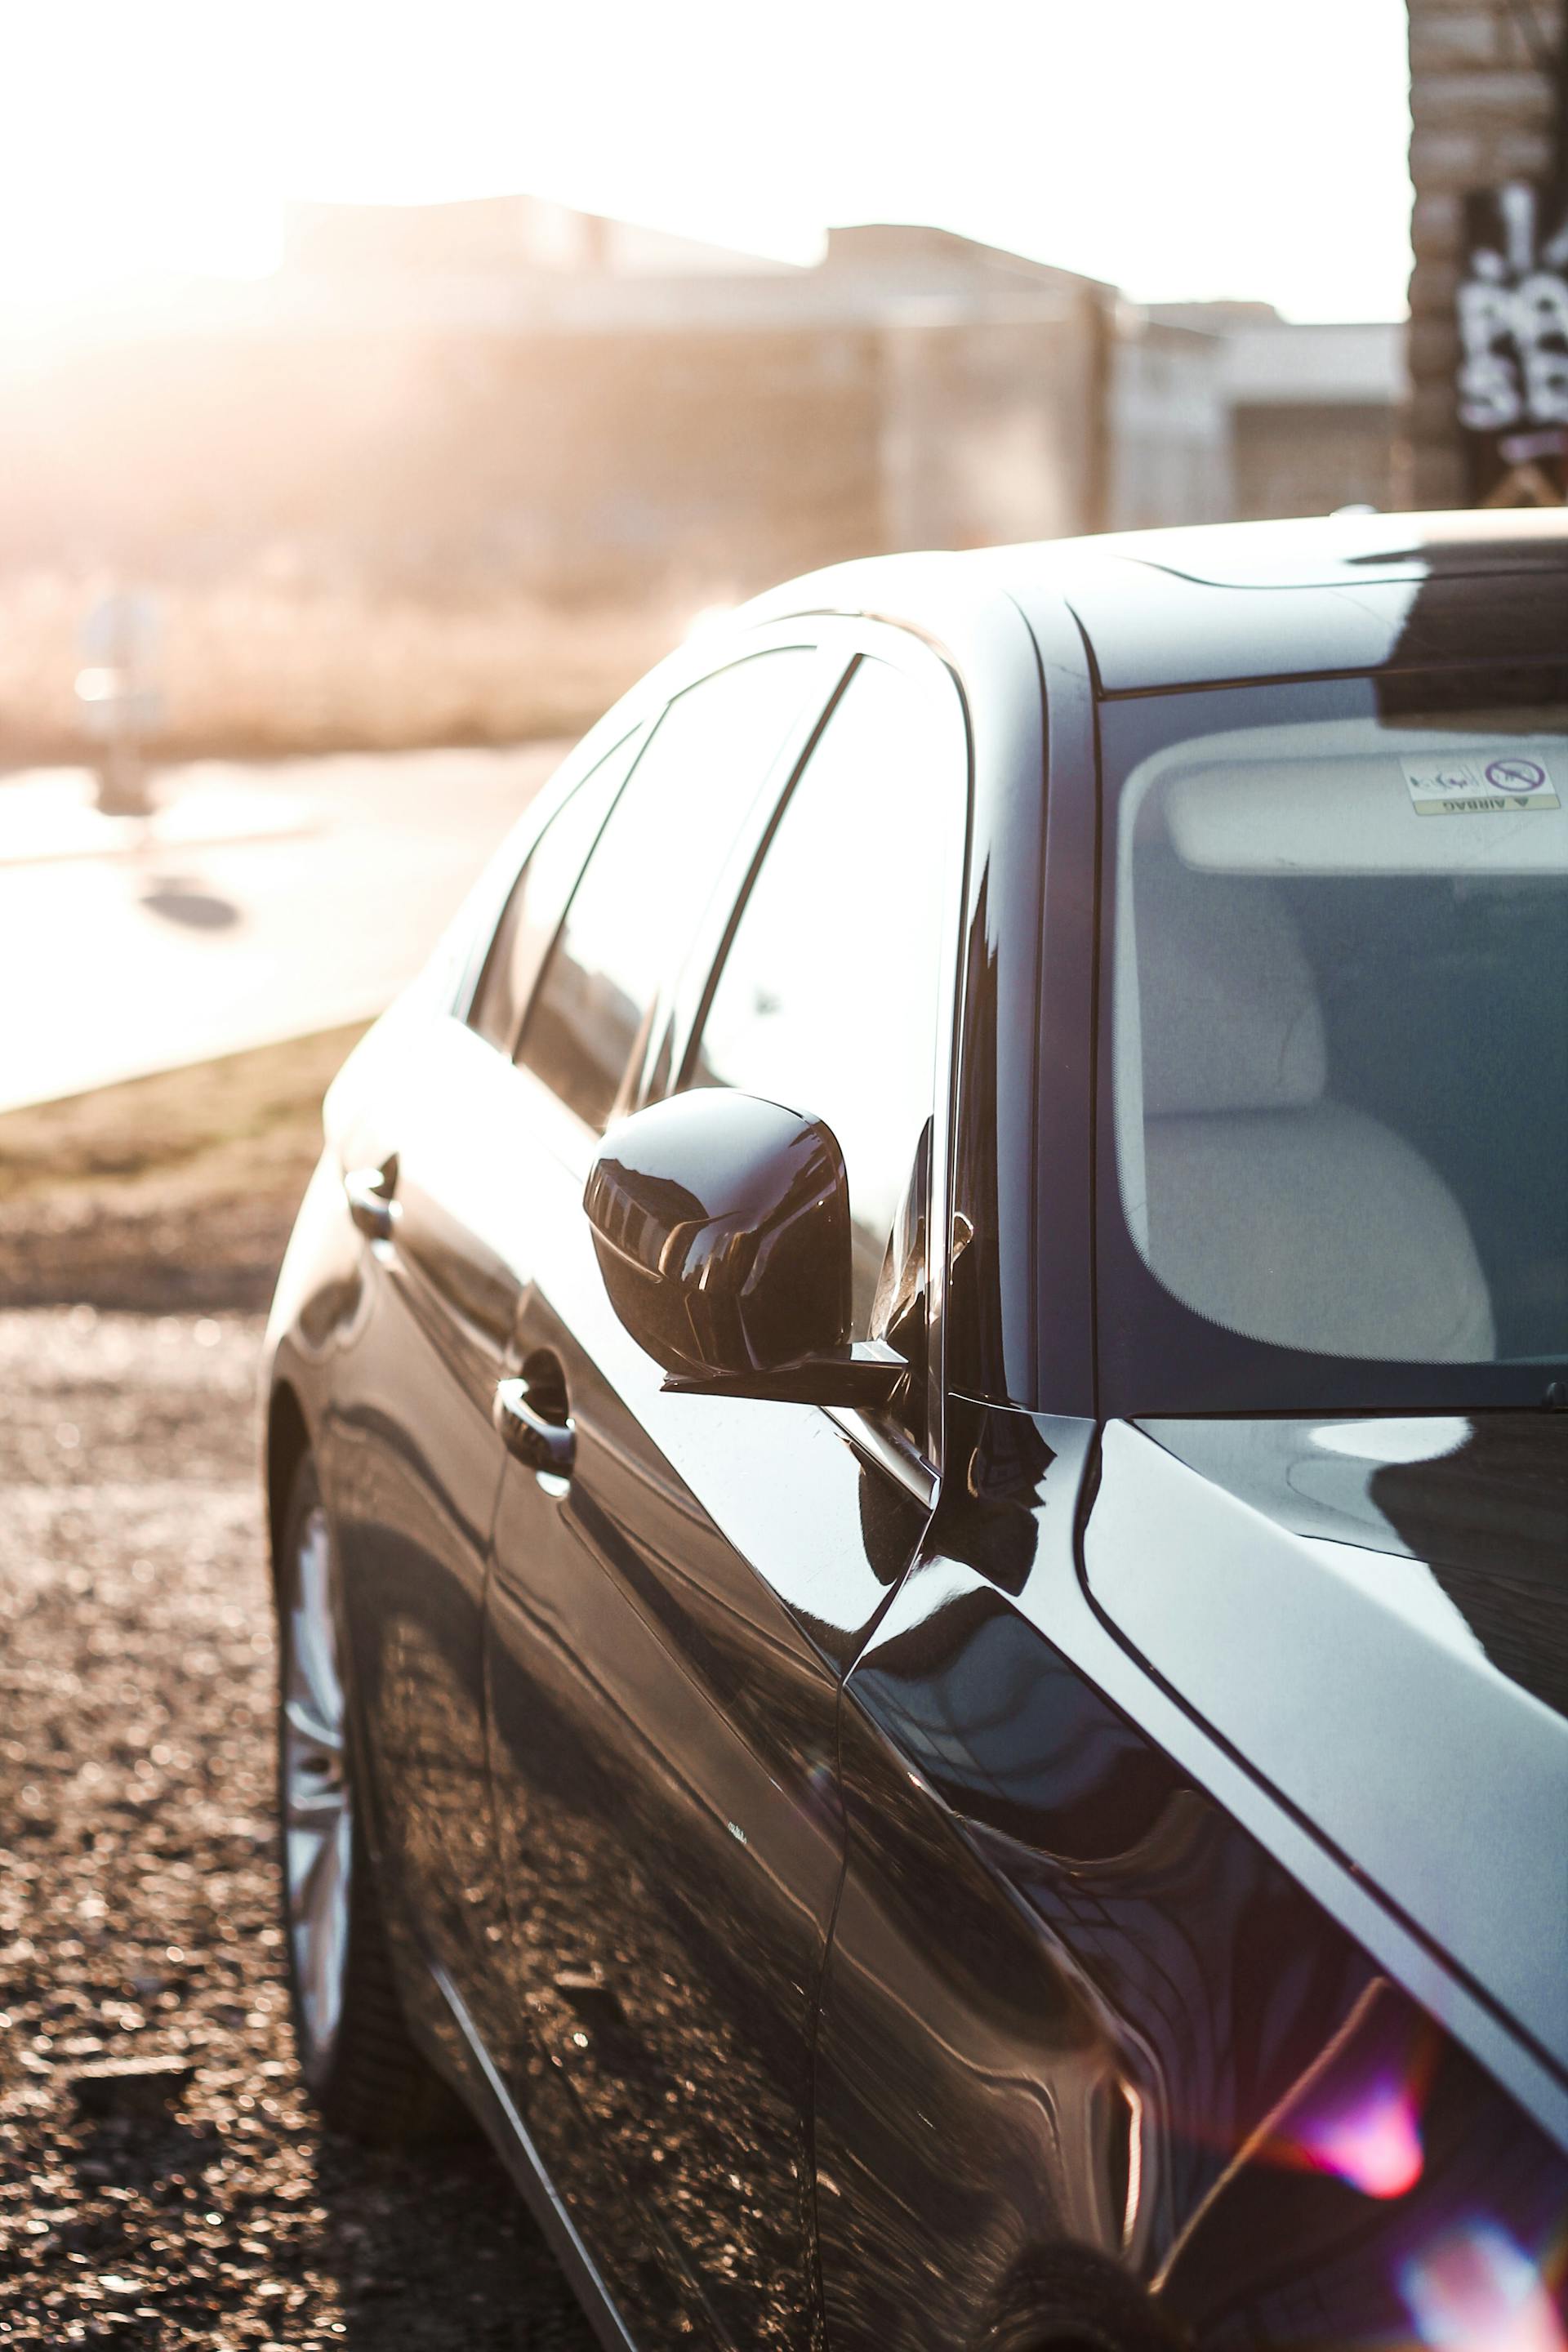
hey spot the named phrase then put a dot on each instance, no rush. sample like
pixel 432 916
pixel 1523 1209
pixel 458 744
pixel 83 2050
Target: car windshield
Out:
pixel 1337 1049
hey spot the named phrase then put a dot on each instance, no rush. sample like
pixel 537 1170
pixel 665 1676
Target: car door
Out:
pixel 411 1460
pixel 670 1624
pixel 438 1149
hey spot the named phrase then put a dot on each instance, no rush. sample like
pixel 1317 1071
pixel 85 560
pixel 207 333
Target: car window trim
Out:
pixel 665 1024
pixel 492 891
pixel 852 641
pixel 561 801
pixel 764 642
pixel 678 674
pixel 638 710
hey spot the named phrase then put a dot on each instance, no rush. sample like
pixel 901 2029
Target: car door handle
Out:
pixel 546 1440
pixel 371 1204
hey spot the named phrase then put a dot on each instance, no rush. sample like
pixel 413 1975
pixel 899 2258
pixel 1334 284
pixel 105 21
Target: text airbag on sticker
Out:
pixel 1507 782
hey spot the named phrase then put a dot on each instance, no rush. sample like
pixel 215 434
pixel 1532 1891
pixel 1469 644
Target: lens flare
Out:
pixel 1356 2113
pixel 1372 2140
pixel 1475 2291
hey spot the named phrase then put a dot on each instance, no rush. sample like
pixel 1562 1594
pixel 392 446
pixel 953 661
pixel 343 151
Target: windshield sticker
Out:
pixel 1507 781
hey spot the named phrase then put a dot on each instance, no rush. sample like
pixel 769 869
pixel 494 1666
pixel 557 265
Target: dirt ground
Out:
pixel 138 1900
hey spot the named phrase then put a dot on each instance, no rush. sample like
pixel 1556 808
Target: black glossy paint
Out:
pixel 722 1229
pixel 1197 608
pixel 1480 1503
pixel 666 1636
pixel 411 1460
pixel 1371 1701
pixel 1135 2031
pixel 853 1898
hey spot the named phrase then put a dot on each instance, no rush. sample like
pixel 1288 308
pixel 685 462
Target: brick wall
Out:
pixel 1482 111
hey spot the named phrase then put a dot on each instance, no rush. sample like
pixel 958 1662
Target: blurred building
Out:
pixel 1002 398
pixel 1311 413
pixel 434 401
pixel 488 237
pixel 640 399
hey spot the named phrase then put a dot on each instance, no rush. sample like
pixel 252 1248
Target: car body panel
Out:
pixel 410 1463
pixel 663 1683
pixel 1153 630
pixel 1205 607
pixel 1369 1697
pixel 668 1633
pixel 1135 2025
pixel 981 1917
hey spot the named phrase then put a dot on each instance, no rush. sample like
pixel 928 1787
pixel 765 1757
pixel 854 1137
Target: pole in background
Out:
pixel 119 704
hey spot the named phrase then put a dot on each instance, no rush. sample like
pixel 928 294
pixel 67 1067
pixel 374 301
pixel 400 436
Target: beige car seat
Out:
pixel 1271 1209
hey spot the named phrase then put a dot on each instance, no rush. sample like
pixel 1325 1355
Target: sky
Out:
pixel 1182 149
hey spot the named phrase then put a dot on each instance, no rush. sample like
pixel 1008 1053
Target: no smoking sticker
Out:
pixel 1505 784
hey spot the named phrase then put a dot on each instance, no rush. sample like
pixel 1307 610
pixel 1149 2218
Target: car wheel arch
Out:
pixel 288 1442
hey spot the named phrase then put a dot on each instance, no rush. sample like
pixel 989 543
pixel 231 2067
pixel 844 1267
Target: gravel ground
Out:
pixel 138 1902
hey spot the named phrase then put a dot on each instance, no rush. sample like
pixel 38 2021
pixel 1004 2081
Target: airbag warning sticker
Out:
pixel 1506 783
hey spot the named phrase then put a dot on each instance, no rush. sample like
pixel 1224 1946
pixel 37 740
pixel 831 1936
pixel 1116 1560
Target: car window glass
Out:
pixel 652 872
pixel 538 900
pixel 827 998
pixel 1340 1060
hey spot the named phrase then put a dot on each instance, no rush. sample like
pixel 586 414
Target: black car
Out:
pixel 918 1474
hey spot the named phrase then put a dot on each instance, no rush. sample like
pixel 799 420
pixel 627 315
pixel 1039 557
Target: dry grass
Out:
pixel 171 1191
pixel 260 666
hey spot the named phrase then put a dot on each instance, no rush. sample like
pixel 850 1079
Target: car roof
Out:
pixel 1240 602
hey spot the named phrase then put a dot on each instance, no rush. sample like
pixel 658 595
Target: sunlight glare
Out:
pixel 159 137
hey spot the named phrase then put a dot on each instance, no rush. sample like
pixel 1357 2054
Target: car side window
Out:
pixel 653 870
pixel 827 998
pixel 533 913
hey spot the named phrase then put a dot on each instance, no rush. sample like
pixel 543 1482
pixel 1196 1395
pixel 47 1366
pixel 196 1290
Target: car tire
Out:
pixel 360 2066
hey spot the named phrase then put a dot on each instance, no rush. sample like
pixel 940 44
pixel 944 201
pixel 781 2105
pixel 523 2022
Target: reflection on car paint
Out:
pixel 1368 1694
pixel 649 1696
pixel 1481 1503
pixel 1180 2058
pixel 1029 2026
pixel 1476 2290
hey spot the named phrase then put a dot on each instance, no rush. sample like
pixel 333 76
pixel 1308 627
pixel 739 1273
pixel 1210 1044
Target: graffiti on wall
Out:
pixel 1513 346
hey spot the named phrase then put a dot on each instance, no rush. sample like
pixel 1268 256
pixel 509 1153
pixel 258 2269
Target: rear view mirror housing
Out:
pixel 721 1227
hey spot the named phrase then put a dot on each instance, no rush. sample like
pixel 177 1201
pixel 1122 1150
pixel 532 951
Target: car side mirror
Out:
pixel 722 1226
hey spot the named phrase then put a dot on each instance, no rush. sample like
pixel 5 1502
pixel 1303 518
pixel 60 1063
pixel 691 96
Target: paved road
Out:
pixel 112 965
pixel 137 1906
